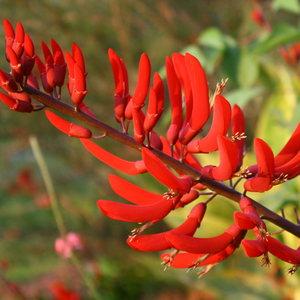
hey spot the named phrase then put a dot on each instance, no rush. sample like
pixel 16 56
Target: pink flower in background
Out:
pixel 64 247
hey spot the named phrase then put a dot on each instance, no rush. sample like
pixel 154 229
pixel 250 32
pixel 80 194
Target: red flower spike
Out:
pixel 7 82
pixel 48 89
pixel 128 167
pixel 137 213
pixel 132 192
pixel 70 65
pixel 158 242
pixel 78 57
pixel 49 65
pixel 9 36
pixel 28 59
pixel 203 245
pixel 176 102
pixel 282 251
pixel 265 173
pixel 159 171
pixel 143 83
pixel 182 74
pixel 237 131
pixel 285 55
pixel 228 161
pixel 250 218
pixel 15 65
pixel 152 115
pixel 79 90
pixel 139 133
pixel 200 99
pixel 220 126
pixel 15 104
pixel 59 64
pixel 155 141
pixel 158 86
pixel 18 45
pixel 291 148
pixel 71 129
pixel 120 83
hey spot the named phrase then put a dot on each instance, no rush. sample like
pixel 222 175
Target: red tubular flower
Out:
pixel 86 109
pixel 71 129
pixel 159 171
pixel 138 129
pixel 78 57
pixel 79 90
pixel 220 126
pixel 188 198
pixel 176 102
pixel 290 170
pixel 143 83
pixel 128 167
pixel 250 218
pixel 137 213
pixel 121 83
pixel 31 80
pixel 42 69
pixel 238 133
pixel 203 245
pixel 192 260
pixel 7 82
pixel 15 65
pixel 28 58
pixel 256 248
pixel 70 64
pixel 59 64
pixel 265 164
pixel 283 252
pixel 291 148
pixel 18 45
pixel 228 161
pixel 200 99
pixel 132 192
pixel 258 17
pixel 158 86
pixel 49 65
pixel 15 104
pixel 182 74
pixel 152 114
pixel 9 36
pixel 158 242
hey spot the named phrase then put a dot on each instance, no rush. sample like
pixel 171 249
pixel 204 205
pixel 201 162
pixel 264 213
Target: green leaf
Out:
pixel 212 37
pixel 242 96
pixel 247 70
pixel 289 5
pixel 281 35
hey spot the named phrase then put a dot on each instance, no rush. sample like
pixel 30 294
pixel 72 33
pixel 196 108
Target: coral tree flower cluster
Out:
pixel 191 105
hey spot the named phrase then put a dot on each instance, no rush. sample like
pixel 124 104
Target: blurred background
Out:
pixel 230 41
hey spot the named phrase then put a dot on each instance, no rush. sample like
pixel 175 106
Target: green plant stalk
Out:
pixel 49 185
pixel 57 213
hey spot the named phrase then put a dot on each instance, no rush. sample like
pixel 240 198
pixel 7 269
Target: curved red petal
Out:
pixel 58 122
pixel 132 192
pixel 113 161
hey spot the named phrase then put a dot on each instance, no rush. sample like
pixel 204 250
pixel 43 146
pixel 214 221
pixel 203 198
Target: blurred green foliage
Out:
pixel 228 44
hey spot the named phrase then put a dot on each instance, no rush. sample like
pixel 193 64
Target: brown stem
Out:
pixel 218 187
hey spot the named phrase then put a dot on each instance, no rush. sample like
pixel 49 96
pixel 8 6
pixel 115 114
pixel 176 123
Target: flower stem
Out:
pixel 57 213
